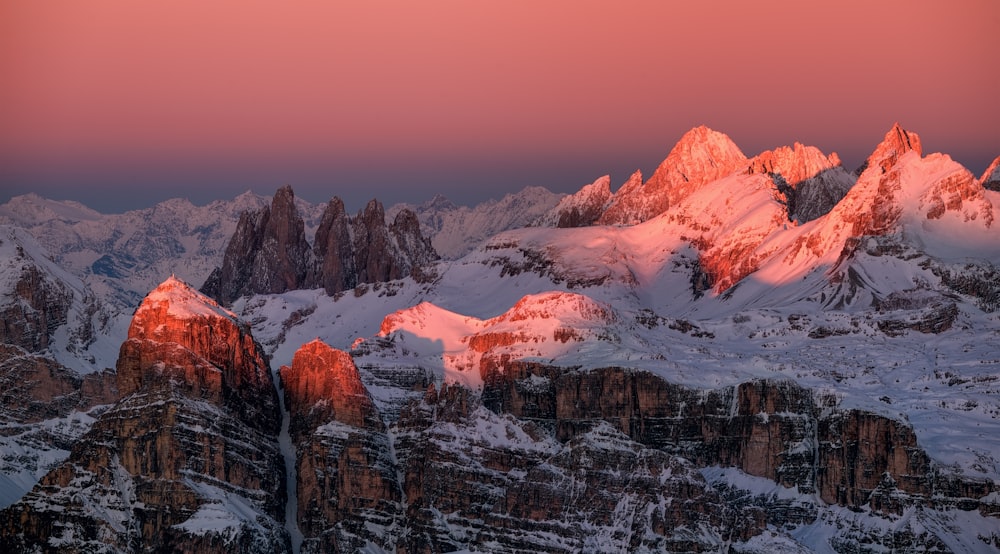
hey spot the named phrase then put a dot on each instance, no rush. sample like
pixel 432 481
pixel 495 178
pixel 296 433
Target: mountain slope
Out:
pixel 456 230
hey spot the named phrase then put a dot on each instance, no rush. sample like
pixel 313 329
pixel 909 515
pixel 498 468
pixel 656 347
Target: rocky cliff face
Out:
pixel 187 460
pixel 897 141
pixel 843 398
pixel 897 194
pixel 333 250
pixel 475 477
pixel 34 310
pixel 35 388
pixel 348 492
pixel 810 183
pixel 991 177
pixel 775 430
pixel 269 252
pixel 383 253
pixel 38 299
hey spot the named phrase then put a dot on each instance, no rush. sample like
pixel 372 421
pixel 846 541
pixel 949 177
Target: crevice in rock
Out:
pixel 291 478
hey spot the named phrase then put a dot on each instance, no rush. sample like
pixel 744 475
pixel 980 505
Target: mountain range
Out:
pixel 743 354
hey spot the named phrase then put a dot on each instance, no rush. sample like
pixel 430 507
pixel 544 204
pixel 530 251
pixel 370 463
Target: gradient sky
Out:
pixel 122 103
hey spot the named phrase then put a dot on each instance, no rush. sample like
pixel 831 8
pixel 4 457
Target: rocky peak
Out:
pixel 584 207
pixel 174 300
pixel 33 305
pixel 897 141
pixel 284 242
pixel 416 249
pixel 699 150
pixel 267 254
pixel 324 385
pixel 438 203
pixel 809 182
pixel 383 253
pixel 187 459
pixel 991 177
pixel 556 304
pixel 346 477
pixel 371 245
pixel 795 164
pixel 180 337
pixel 701 156
pixel 332 250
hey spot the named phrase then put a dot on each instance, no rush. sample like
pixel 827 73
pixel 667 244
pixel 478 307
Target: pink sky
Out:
pixel 120 103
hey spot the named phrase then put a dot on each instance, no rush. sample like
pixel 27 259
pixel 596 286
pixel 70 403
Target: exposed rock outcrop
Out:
pixel 584 207
pixel 473 477
pixel 35 388
pixel 34 302
pixel 267 254
pixel 810 182
pixel 333 250
pixel 348 491
pixel 700 157
pixel 897 141
pixel 383 253
pixel 775 430
pixel 991 177
pixel 188 459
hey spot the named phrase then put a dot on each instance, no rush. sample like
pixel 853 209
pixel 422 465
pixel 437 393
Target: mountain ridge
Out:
pixel 809 372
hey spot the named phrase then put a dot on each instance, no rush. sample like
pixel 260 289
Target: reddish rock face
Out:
pixel 897 141
pixel 269 254
pixel 518 489
pixel 333 250
pixel 809 183
pixel 383 253
pixel 179 334
pixel 858 450
pixel 700 157
pixel 34 388
pixel 193 435
pixel 345 473
pixel 323 385
pixel 958 192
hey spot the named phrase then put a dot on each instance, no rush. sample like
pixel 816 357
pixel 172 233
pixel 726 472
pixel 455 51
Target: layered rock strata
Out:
pixel 187 460
pixel 776 430
pixel 348 492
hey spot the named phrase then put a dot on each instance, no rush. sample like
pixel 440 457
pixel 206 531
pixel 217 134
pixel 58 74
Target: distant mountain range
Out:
pixel 744 354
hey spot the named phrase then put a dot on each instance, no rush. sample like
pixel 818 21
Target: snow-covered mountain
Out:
pixel 456 230
pixel 758 354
